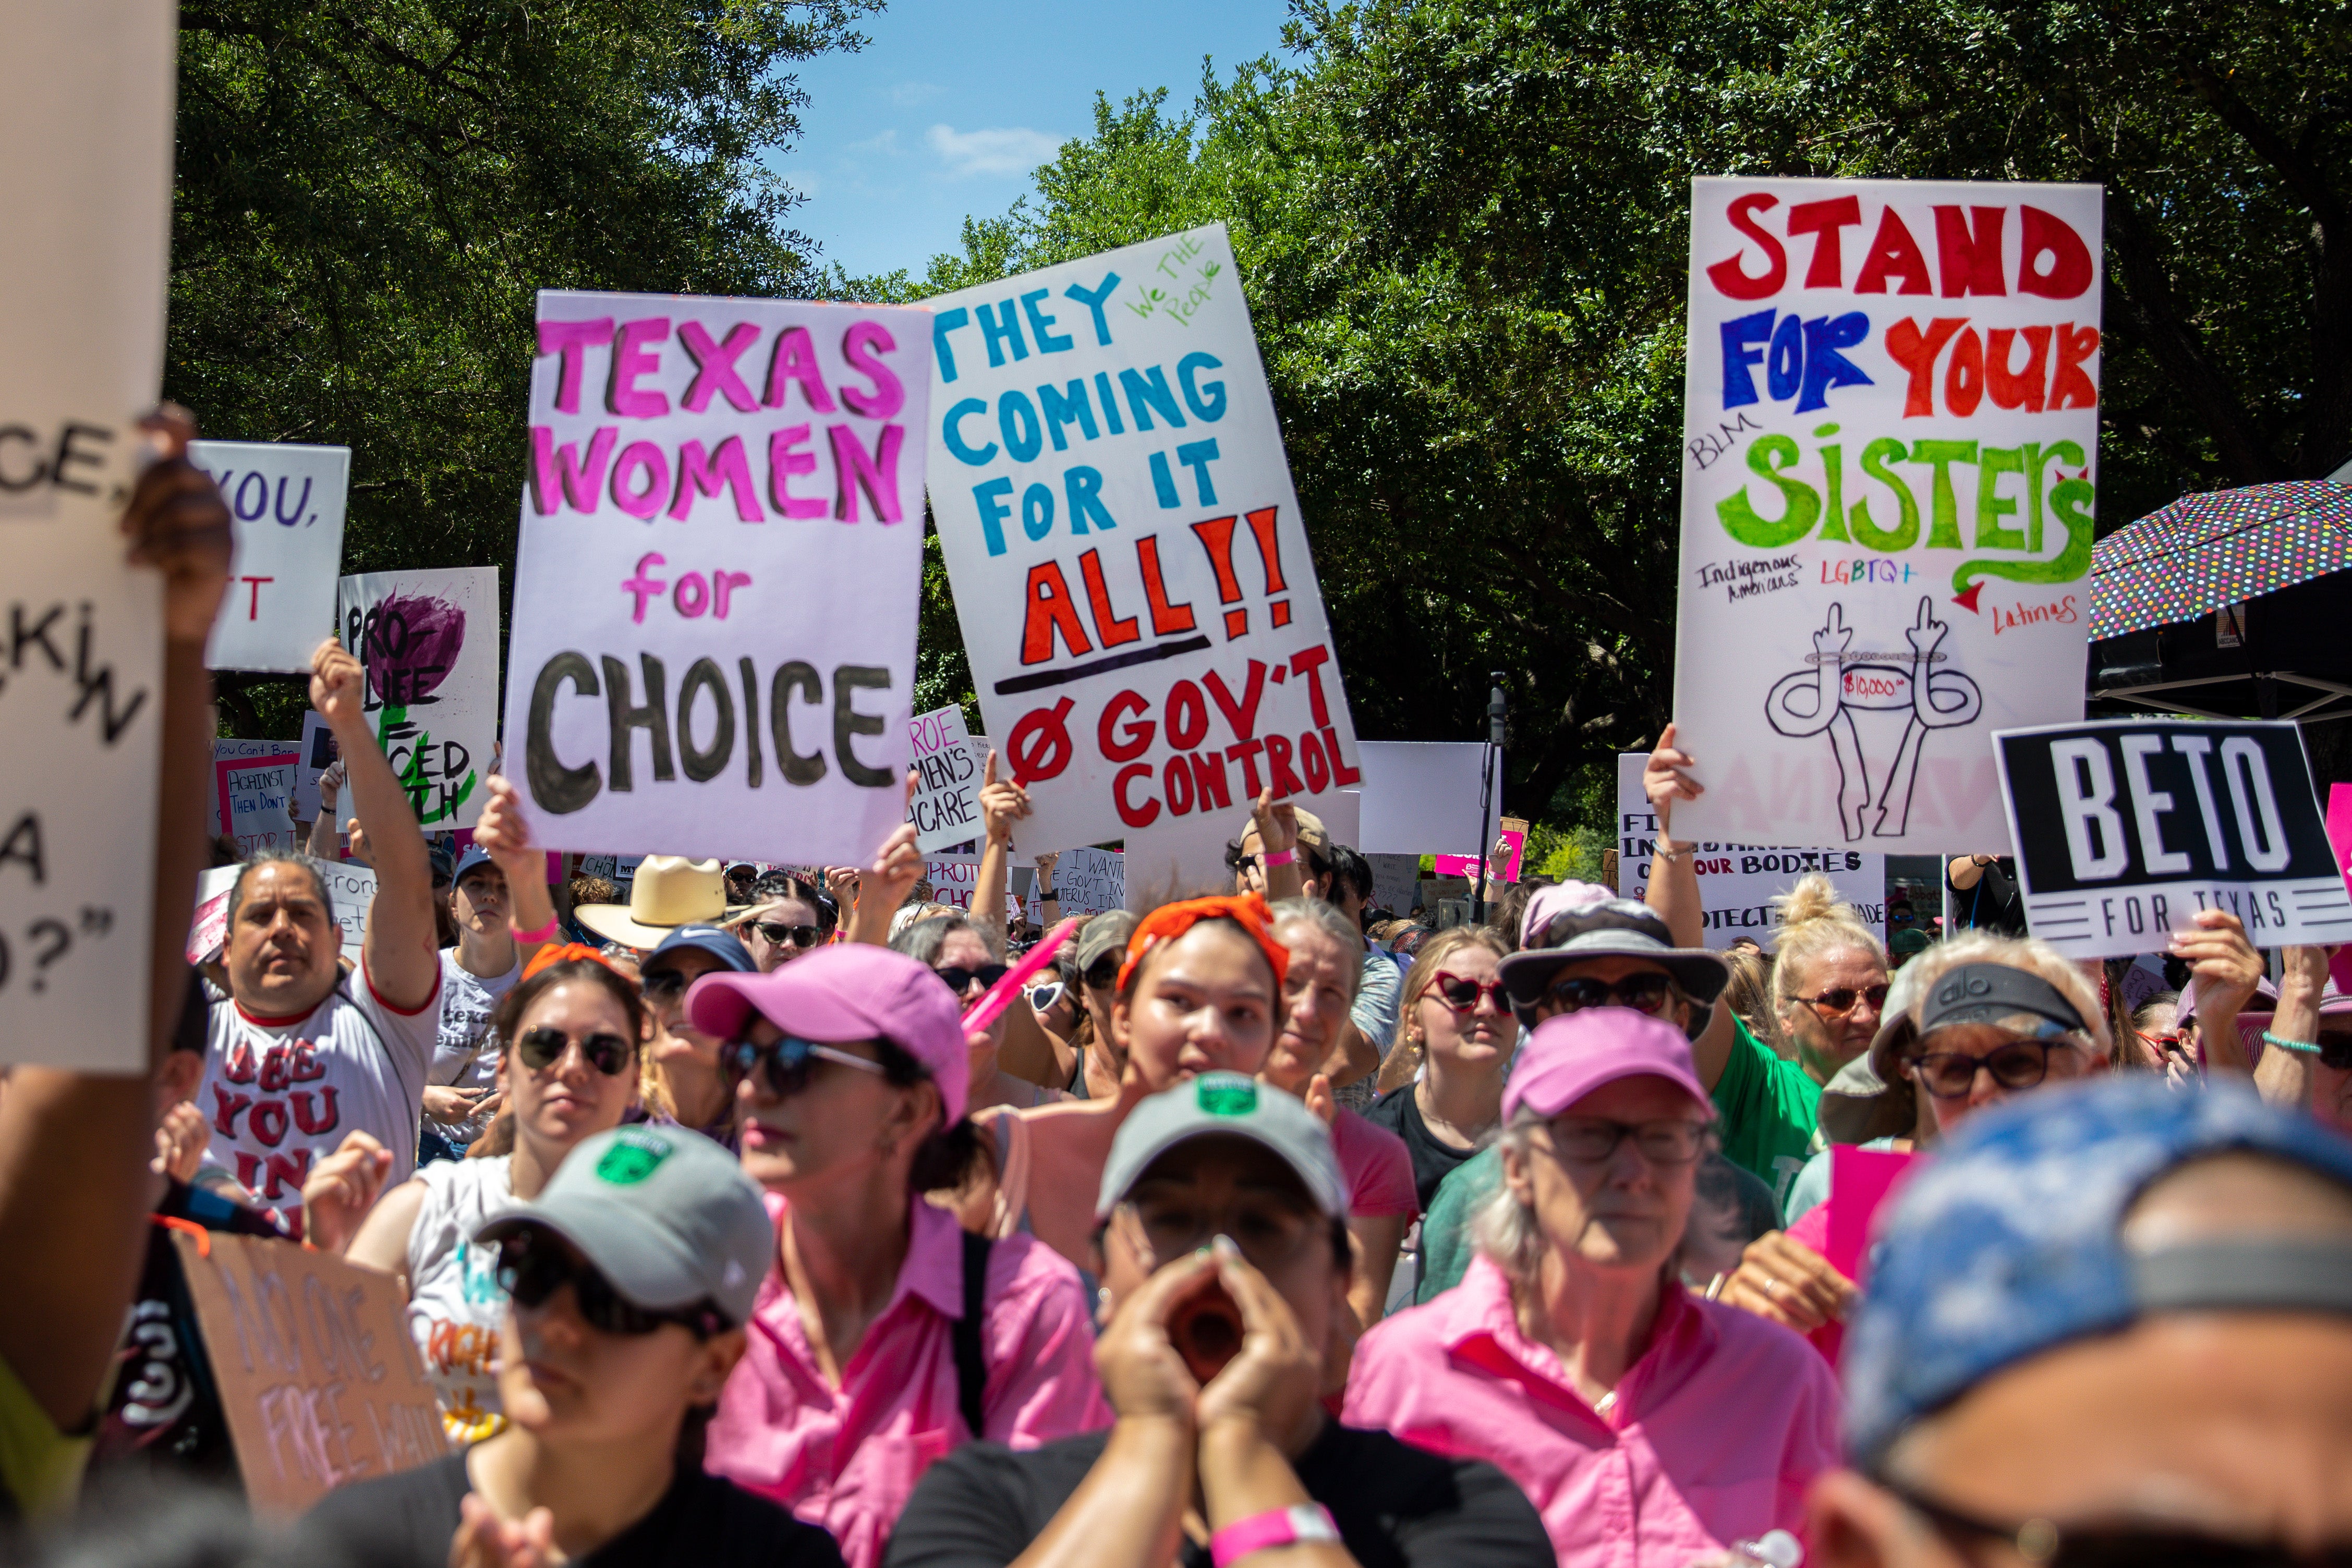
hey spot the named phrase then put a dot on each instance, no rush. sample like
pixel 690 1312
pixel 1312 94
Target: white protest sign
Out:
pixel 715 594
pixel 256 796
pixel 1423 797
pixel 1090 882
pixel 86 114
pixel 1737 883
pixel 946 807
pixel 350 888
pixel 429 643
pixel 2126 828
pixel 287 502
pixel 316 751
pixel 210 926
pixel 1890 449
pixel 232 750
pixel 953 881
pixel 1131 571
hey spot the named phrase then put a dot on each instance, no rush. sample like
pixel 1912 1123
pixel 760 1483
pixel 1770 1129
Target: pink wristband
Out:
pixel 544 934
pixel 1279 857
pixel 1306 1522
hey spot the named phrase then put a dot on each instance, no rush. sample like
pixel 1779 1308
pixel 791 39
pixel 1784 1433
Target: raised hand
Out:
pixel 1002 803
pixel 180 1139
pixel 341 1190
pixel 338 687
pixel 1665 777
pixel 505 836
pixel 179 524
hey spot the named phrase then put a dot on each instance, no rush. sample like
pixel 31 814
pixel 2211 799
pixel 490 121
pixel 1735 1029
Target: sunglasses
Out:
pixel 2014 1064
pixel 1589 1140
pixel 1043 998
pixel 1643 993
pixel 542 1046
pixel 1841 999
pixel 532 1267
pixel 960 978
pixel 779 934
pixel 2047 1545
pixel 2335 1053
pixel 1103 973
pixel 784 1065
pixel 1462 995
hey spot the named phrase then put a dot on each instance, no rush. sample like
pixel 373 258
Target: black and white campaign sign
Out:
pixel 2124 829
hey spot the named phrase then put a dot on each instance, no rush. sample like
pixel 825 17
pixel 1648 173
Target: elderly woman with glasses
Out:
pixel 883 1335
pixel 1648 1427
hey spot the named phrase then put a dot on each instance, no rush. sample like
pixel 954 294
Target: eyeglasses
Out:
pixel 2015 1063
pixel 784 1065
pixel 532 1267
pixel 778 934
pixel 1589 1140
pixel 664 984
pixel 2048 1545
pixel 1103 973
pixel 1462 995
pixel 960 978
pixel 1643 993
pixel 542 1046
pixel 1841 999
pixel 1043 998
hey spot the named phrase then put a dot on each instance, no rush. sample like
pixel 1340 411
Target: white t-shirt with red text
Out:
pixel 281 1094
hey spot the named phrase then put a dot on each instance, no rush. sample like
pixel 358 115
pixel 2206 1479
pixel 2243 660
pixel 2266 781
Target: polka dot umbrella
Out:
pixel 2223 547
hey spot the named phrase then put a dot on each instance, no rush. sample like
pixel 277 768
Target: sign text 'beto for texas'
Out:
pixel 2126 828
pixel 288 505
pixel 1130 569
pixel 1889 464
pixel 713 645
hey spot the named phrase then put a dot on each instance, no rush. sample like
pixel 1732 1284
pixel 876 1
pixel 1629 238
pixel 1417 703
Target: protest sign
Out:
pixel 953 881
pixel 715 593
pixel 1090 882
pixel 1737 883
pixel 287 503
pixel 256 798
pixel 317 1374
pixel 429 643
pixel 1423 797
pixel 1105 456
pixel 946 807
pixel 1502 864
pixel 1890 444
pixel 233 750
pixel 316 752
pixel 2126 828
pixel 210 927
pixel 350 888
pixel 86 112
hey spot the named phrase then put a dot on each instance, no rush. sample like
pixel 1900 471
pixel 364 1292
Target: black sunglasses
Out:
pixel 532 1267
pixel 1643 993
pixel 960 978
pixel 2014 1064
pixel 1841 999
pixel 2335 1053
pixel 542 1047
pixel 778 934
pixel 2048 1545
pixel 1103 973
pixel 784 1065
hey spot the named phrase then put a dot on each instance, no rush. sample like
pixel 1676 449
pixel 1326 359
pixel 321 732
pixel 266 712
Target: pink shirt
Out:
pixel 1716 1433
pixel 848 1458
pixel 1376 1166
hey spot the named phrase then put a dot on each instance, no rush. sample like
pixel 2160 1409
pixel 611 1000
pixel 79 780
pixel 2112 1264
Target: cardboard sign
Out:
pixel 351 889
pixel 287 502
pixel 86 109
pixel 256 798
pixel 1889 466
pixel 715 592
pixel 1090 882
pixel 946 807
pixel 2126 828
pixel 1737 883
pixel 429 643
pixel 318 1376
pixel 1131 571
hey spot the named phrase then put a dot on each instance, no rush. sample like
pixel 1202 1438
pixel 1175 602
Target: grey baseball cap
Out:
pixel 1575 921
pixel 1234 1106
pixel 665 1214
pixel 1107 933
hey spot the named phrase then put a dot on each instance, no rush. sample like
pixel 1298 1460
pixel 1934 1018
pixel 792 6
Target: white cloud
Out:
pixel 884 145
pixel 908 94
pixel 1013 150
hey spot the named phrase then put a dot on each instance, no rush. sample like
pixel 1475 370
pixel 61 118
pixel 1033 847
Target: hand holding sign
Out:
pixel 338 689
pixel 1665 778
pixel 178 523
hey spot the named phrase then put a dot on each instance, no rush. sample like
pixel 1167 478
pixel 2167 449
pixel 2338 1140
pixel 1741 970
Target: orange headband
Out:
pixel 1170 921
pixel 565 952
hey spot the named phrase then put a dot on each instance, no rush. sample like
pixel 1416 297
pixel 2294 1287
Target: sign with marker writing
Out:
pixel 715 595
pixel 86 112
pixel 2126 828
pixel 256 799
pixel 288 501
pixel 1890 420
pixel 318 1376
pixel 946 807
pixel 351 889
pixel 1130 569
pixel 1090 882
pixel 429 643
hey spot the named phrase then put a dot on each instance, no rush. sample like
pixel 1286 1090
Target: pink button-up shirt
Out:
pixel 848 1458
pixel 1714 1433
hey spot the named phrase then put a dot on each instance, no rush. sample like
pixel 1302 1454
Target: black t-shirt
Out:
pixel 983 1505
pixel 1995 903
pixel 1432 1161
pixel 406 1520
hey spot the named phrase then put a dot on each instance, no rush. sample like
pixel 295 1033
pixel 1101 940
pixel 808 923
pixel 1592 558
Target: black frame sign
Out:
pixel 2125 827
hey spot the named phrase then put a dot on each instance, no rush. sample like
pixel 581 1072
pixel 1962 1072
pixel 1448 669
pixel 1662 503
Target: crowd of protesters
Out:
pixel 1263 1226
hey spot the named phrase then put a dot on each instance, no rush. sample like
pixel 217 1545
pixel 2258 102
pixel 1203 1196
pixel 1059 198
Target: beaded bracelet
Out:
pixel 2302 1047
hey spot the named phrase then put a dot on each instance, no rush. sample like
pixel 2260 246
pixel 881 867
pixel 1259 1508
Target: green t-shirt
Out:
pixel 1445 1245
pixel 1770 1110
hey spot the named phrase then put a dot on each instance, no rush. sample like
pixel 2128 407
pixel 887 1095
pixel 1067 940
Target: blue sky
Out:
pixel 955 101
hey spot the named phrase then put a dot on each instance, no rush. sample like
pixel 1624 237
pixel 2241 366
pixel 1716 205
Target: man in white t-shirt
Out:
pixel 299 1056
pixel 461 1089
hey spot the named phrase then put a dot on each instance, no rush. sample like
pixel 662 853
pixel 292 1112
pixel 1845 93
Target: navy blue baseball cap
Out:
pixel 475 856
pixel 2009 1244
pixel 717 941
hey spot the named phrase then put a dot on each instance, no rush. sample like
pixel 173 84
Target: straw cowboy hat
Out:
pixel 670 890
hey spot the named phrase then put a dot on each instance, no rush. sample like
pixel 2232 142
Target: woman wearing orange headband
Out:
pixel 1200 990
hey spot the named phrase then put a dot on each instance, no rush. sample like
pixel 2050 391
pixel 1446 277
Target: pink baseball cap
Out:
pixel 1571 1054
pixel 850 990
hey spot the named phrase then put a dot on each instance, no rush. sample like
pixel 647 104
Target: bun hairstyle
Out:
pixel 1814 921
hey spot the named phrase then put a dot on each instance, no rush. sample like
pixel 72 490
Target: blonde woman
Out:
pixel 1456 1023
pixel 1829 979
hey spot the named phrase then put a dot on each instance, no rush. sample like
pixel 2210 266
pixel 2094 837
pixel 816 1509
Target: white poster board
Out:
pixel 85 115
pixel 350 888
pixel 1131 573
pixel 1737 882
pixel 715 593
pixel 1421 797
pixel 1090 881
pixel 287 503
pixel 256 798
pixel 1890 458
pixel 946 807
pixel 429 643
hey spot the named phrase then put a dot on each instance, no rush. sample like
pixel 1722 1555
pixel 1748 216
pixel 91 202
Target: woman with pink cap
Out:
pixel 1647 1426
pixel 883 1335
